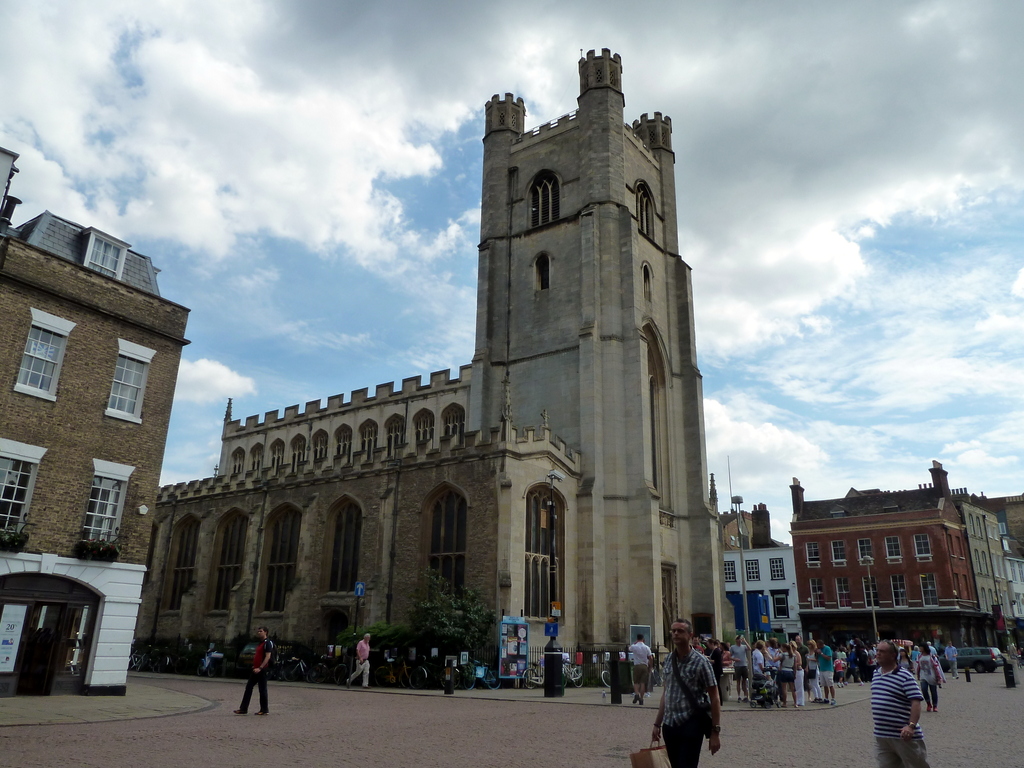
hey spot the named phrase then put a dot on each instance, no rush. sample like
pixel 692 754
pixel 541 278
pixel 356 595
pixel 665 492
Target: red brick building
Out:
pixel 895 558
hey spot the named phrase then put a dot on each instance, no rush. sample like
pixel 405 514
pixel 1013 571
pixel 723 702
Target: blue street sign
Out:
pixel 360 589
pixel 551 629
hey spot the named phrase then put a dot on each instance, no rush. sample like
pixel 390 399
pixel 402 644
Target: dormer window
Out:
pixel 105 254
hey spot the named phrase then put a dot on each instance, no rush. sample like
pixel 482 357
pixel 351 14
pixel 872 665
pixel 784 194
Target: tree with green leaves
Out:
pixel 450 619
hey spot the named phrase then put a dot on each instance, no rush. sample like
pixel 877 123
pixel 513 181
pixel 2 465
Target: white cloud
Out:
pixel 207 381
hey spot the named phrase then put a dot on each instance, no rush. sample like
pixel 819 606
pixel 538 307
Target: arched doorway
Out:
pixel 337 622
pixel 49 654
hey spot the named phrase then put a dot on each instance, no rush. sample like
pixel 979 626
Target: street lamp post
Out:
pixel 869 561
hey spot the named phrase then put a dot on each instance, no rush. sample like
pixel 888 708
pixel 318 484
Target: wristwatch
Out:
pixel 716 729
pixel 912 725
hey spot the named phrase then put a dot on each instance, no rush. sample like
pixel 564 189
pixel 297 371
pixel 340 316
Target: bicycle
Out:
pixel 533 676
pixel 572 673
pixel 397 672
pixel 208 664
pixel 297 668
pixel 483 674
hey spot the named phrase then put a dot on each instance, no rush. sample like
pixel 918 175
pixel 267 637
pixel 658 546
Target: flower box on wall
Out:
pixel 12 540
pixel 95 549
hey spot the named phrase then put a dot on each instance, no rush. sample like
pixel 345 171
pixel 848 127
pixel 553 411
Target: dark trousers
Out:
pixel 930 693
pixel 260 679
pixel 683 743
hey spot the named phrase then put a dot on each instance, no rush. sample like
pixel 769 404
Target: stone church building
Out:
pixel 565 464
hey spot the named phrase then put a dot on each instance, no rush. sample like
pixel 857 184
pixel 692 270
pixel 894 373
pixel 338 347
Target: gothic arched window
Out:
pixel 454 418
pixel 319 446
pixel 647 282
pixel 542 540
pixel 544 202
pixel 298 452
pixel 276 455
pixel 448 538
pixel 644 210
pixel 395 430
pixel 543 272
pixel 231 548
pixel 343 441
pixel 256 458
pixel 424 425
pixel 282 554
pixel 368 439
pixel 347 534
pixel 183 556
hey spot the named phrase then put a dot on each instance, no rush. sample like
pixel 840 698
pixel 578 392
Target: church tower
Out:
pixel 585 310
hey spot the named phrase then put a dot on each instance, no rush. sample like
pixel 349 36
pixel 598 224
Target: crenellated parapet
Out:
pixel 524 443
pixel 507 114
pixel 656 132
pixel 604 71
pixel 441 382
pixel 546 130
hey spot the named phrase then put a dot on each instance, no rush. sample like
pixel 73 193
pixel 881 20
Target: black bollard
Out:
pixel 613 674
pixel 449 677
pixel 1011 680
pixel 553 670
pixel 967 674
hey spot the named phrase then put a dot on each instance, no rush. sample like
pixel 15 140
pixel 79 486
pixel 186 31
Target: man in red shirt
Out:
pixel 260 660
pixel 362 661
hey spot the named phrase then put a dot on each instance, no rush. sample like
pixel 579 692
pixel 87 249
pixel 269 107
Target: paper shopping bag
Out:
pixel 654 757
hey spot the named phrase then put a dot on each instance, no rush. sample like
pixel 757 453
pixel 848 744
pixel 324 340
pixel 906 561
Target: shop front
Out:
pixel 66 625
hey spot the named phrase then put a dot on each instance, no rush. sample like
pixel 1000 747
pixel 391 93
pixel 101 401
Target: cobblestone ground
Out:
pixel 978 725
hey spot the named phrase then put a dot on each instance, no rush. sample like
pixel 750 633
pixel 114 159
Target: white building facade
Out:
pixel 772 572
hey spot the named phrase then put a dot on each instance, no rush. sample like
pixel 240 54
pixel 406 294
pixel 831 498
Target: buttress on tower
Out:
pixel 585 313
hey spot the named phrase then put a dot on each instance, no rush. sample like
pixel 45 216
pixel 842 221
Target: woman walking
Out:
pixel 929 672
pixel 787 672
pixel 813 682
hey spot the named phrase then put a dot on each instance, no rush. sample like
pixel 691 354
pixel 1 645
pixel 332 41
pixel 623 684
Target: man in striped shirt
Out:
pixel 896 709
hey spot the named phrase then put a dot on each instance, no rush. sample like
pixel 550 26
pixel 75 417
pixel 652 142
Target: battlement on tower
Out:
pixel 656 132
pixel 440 382
pixel 524 443
pixel 507 114
pixel 604 71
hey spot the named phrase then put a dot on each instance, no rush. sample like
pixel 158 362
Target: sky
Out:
pixel 306 176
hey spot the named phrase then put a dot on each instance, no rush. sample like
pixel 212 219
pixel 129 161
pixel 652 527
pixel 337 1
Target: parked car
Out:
pixel 978 658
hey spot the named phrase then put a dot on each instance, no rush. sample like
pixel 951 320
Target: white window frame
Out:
pixel 119 473
pixel 817 596
pixel 926 539
pixel 140 354
pixel 898 585
pixel 815 560
pixel 28 454
pixel 777 568
pixel 860 548
pixel 869 585
pixel 933 587
pixel 753 570
pixel 730 571
pixel 842 545
pixel 898 557
pixel 841 592
pixel 780 599
pixel 58 326
pixel 121 247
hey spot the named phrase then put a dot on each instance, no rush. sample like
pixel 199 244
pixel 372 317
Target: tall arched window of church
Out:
pixel 644 210
pixel 544 200
pixel 232 554
pixel 282 554
pixel 543 272
pixel 184 559
pixel 448 538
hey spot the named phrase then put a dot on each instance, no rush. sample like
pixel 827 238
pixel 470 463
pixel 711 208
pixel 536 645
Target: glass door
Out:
pixel 41 639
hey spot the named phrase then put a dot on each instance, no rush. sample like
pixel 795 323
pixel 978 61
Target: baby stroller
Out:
pixel 764 692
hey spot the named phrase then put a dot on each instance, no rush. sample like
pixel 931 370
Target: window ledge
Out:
pixel 924 558
pixel 894 559
pixel 815 564
pixel 123 416
pixel 42 394
pixel 839 562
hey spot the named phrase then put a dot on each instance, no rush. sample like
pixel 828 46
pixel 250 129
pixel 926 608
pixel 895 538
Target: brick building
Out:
pixel 585 331
pixel 89 355
pixel 898 558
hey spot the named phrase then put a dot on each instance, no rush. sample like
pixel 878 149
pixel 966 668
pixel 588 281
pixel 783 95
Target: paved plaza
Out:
pixel 183 722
